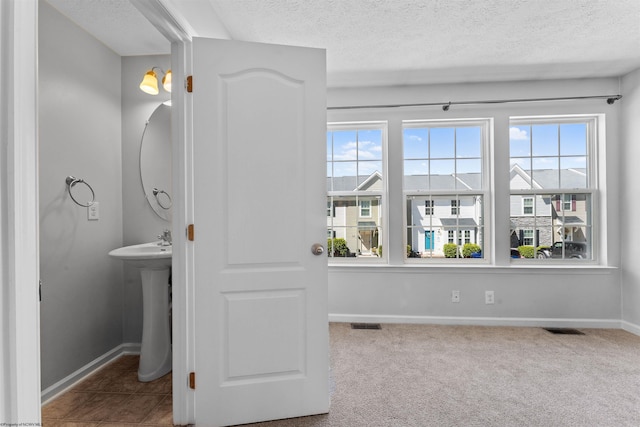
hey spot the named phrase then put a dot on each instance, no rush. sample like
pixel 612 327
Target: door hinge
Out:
pixel 189 84
pixel 192 380
pixel 190 232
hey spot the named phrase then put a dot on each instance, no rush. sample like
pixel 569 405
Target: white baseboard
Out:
pixel 631 327
pixel 482 321
pixel 69 381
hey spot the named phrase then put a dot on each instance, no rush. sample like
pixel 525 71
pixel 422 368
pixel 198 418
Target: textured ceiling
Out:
pixel 406 41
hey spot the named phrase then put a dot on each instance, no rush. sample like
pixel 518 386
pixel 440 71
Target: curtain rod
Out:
pixel 445 105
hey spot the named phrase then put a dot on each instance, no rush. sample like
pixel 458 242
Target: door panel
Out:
pixel 261 323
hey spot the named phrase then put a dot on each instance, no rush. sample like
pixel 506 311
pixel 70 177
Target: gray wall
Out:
pixel 79 135
pixel 92 303
pixel 630 201
pixel 140 223
pixel 526 296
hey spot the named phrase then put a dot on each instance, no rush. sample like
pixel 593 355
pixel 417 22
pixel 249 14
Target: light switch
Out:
pixel 93 212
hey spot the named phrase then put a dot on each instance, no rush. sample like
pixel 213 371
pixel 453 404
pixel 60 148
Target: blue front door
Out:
pixel 428 240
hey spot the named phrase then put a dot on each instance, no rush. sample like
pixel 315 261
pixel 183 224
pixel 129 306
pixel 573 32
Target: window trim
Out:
pixel 382 194
pixel 593 122
pixel 486 125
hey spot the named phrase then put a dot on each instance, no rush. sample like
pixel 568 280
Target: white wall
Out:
pixel 79 135
pixel 140 223
pixel 631 201
pixel 587 296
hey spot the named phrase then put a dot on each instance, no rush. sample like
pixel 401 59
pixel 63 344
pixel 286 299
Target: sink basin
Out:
pixel 146 255
pixel 154 263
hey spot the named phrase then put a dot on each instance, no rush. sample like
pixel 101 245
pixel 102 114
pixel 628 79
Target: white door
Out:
pixel 261 322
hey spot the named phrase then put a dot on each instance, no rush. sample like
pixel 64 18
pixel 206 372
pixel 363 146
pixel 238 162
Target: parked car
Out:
pixel 575 250
pixel 515 253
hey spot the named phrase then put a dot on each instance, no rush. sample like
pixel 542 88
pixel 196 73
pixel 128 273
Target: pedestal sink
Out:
pixel 154 262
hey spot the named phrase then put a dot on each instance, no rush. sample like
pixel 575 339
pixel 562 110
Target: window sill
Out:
pixel 475 268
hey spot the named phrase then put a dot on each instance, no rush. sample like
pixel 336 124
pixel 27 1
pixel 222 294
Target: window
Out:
pixel 552 175
pixel 428 207
pixel 365 208
pixel 568 202
pixel 454 207
pixel 527 205
pixel 444 171
pixel 527 237
pixel 355 184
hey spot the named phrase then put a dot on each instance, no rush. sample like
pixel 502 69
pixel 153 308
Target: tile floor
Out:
pixel 113 397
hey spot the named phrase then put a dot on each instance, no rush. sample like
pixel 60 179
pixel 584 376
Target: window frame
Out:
pixel 525 206
pixel 381 194
pixel 485 191
pixel 363 209
pixel 591 189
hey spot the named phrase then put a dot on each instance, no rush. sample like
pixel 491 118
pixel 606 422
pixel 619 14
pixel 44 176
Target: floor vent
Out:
pixel 366 326
pixel 564 331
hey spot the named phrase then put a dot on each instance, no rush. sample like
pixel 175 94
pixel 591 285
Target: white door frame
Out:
pixel 20 394
pixel 178 32
pixel 19 264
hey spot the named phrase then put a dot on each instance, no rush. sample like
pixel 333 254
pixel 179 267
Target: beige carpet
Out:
pixel 423 375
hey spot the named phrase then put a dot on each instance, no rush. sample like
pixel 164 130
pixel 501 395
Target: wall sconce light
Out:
pixel 149 82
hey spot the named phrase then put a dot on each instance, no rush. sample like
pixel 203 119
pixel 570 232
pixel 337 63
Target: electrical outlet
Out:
pixel 455 296
pixel 488 297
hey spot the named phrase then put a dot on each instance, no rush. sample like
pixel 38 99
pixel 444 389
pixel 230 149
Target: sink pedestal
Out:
pixel 154 262
pixel 155 354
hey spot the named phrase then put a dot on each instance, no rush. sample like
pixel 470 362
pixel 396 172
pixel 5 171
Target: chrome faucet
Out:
pixel 165 238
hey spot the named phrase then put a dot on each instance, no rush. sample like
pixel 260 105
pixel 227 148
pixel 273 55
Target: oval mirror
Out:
pixel 155 161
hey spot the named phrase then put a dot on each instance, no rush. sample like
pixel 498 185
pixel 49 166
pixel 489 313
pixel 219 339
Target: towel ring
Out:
pixel 71 181
pixel 156 193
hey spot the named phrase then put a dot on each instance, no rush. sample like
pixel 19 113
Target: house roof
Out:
pixel 550 178
pixel 542 178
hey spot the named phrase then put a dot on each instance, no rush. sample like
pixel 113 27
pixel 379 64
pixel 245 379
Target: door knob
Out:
pixel 317 249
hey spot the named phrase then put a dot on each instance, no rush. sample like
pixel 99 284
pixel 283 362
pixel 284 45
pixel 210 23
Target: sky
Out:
pixel 449 150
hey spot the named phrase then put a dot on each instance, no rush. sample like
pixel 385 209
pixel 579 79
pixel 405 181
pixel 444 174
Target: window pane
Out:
pixel 416 143
pixel 439 233
pixel 468 142
pixel 544 140
pixel 559 158
pixel 442 143
pixel 573 173
pixel 354 167
pixel 442 226
pixel 469 174
pixel 416 182
pixel 369 176
pixel 344 176
pixel 559 221
pixel 344 145
pixel 416 167
pixel 442 167
pixel 370 144
pixel 442 182
pixel 519 141
pixel 573 139
pixel 354 228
